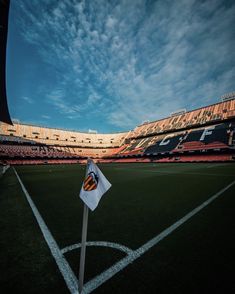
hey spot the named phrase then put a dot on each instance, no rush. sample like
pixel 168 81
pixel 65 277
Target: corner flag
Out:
pixel 93 188
pixel 94 185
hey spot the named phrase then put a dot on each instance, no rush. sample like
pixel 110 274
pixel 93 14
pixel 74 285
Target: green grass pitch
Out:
pixel 144 199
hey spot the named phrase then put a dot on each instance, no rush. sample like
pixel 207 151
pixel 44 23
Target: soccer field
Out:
pixel 154 231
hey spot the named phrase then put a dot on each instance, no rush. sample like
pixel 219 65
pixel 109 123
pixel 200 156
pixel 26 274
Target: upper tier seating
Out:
pixel 210 114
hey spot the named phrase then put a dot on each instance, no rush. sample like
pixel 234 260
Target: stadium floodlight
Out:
pixel 92 131
pixel 145 122
pixel 228 96
pixel 16 121
pixel 178 112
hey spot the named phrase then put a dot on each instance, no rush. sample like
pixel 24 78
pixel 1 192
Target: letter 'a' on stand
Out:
pixel 93 188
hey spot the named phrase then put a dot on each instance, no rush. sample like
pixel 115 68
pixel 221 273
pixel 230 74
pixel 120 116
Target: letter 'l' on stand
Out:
pixel 93 188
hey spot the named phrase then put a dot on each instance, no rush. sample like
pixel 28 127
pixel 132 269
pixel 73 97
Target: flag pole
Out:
pixel 83 247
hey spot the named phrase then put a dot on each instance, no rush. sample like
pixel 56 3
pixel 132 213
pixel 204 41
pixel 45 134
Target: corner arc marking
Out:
pixel 117 246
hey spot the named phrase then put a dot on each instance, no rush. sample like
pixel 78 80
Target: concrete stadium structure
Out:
pixel 204 134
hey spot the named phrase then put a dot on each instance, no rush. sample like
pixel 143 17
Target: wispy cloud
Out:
pixel 128 61
pixel 46 116
pixel 57 98
pixel 27 99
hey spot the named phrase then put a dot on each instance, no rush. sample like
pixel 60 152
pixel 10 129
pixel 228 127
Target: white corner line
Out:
pixel 66 271
pixel 120 265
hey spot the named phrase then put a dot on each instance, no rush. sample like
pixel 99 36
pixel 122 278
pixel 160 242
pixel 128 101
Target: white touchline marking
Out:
pixel 187 173
pixel 99 243
pixel 163 173
pixel 120 265
pixel 66 271
pixel 217 164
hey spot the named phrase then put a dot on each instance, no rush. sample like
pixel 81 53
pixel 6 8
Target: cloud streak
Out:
pixel 27 99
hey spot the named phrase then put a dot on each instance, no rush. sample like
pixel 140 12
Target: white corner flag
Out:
pixel 93 188
pixel 94 185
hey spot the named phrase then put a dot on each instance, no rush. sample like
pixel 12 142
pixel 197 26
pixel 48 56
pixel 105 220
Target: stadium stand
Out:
pixel 208 138
pixel 206 115
pixel 205 134
pixel 167 144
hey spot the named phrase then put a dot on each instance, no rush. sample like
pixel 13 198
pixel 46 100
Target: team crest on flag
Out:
pixel 91 182
pixel 94 186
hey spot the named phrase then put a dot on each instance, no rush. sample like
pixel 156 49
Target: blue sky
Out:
pixel 110 65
